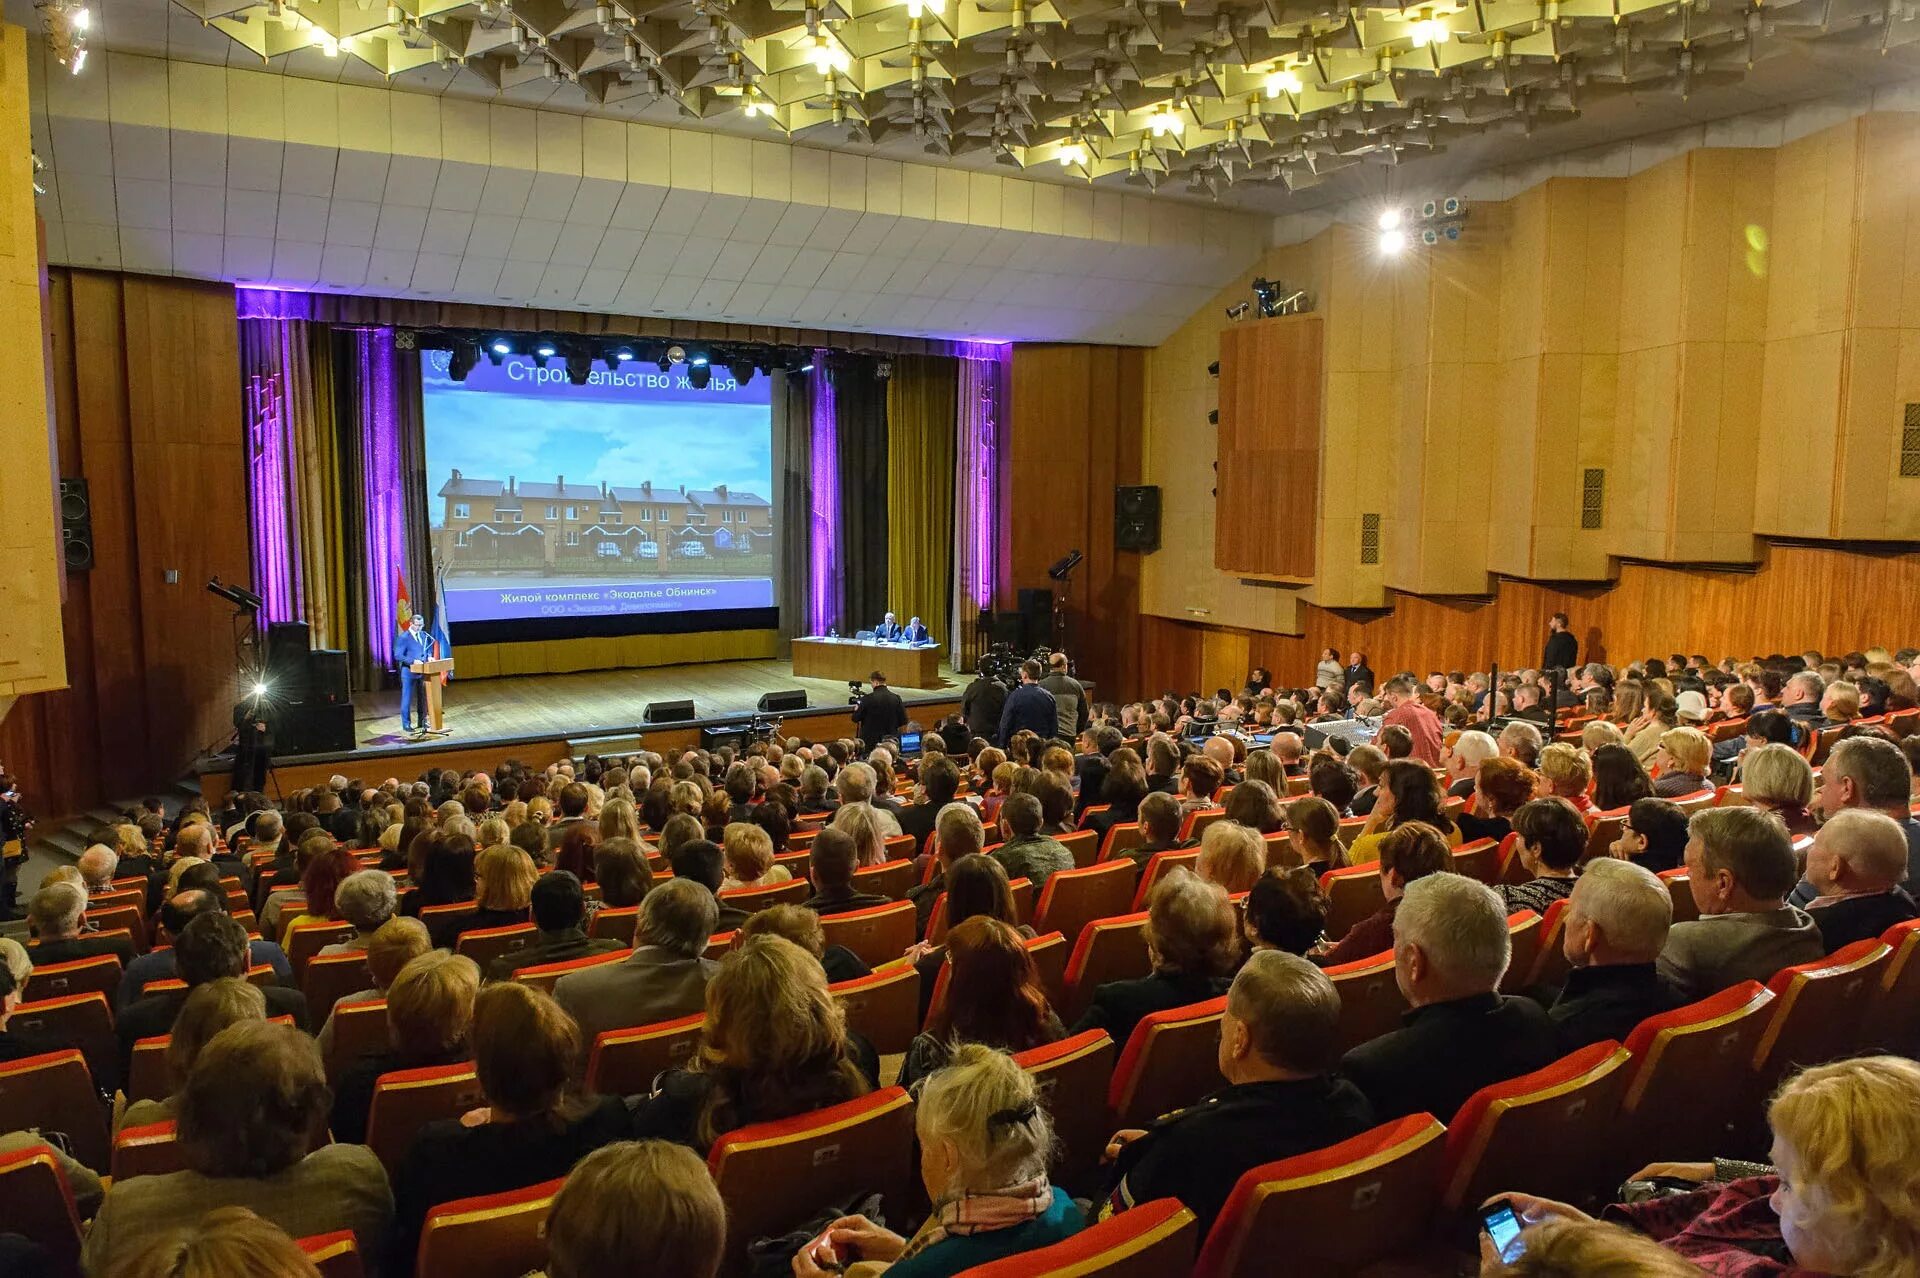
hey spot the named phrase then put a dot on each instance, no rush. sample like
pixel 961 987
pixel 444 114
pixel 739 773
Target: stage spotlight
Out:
pixel 805 368
pixel 259 687
pixel 699 372
pixel 498 349
pixel 1239 310
pixel 1390 219
pixel 544 350
pixel 742 368
pixel 465 355
pixel 619 355
pixel 675 355
pixel 698 361
pixel 883 369
pixel 1393 243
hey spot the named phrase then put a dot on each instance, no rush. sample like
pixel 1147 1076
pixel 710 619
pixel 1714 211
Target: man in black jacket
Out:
pixel 560 914
pixel 1357 671
pixel 1856 864
pixel 939 782
pixel 1451 947
pixel 1616 926
pixel 213 945
pixel 1029 707
pixel 981 705
pixel 880 714
pixel 56 914
pixel 1278 1039
pixel 1563 650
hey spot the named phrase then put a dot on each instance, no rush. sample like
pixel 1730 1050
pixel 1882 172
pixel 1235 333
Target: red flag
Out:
pixel 403 607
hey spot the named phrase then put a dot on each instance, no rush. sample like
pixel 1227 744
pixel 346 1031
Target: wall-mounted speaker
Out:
pixel 76 525
pixel 1136 517
pixel 796 699
pixel 668 712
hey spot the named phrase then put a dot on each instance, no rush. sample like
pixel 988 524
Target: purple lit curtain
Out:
pixel 823 514
pixel 976 494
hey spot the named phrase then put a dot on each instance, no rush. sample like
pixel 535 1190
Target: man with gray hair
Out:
pixel 1279 1039
pixel 1872 773
pixel 57 916
pixel 97 865
pixel 1522 742
pixel 1740 868
pixel 666 975
pixel 1450 949
pixel 1856 864
pixel 855 784
pixel 365 899
pixel 1616 926
pixel 957 832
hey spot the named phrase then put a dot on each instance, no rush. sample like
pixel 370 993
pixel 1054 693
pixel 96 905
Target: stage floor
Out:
pixel 598 702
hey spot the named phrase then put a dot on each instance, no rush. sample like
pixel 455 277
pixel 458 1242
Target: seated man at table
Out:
pixel 916 632
pixel 888 629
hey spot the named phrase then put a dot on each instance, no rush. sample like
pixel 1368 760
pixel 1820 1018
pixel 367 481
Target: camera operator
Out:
pixel 986 697
pixel 880 714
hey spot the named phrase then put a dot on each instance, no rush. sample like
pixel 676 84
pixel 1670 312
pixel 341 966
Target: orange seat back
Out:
pixel 1199 819
pixel 1121 837
pixel 306 940
pixel 624 1062
pixel 147 1150
pixel 1084 844
pixel 883 1007
pixel 1603 831
pixel 55 1093
pixel 1819 1010
pixel 545 975
pixel 1112 949
pixel 755 899
pixel 335 1255
pixel 1371 1003
pixel 1074 898
pixel 130 916
pixel 84 1021
pixel 99 974
pixel 1524 929
pixel 1334 1211
pixel 1153 1240
pixel 1074 1073
pixel 1479 859
pixel 1894 1023
pixel 359 1029
pixel 405 1100
pixel 485 944
pixel 492 1236
pixel 878 934
pixel 40 1204
pixel 1170 1060
pixel 773 1174
pixel 1158 866
pixel 1352 893
pixel 615 923
pixel 890 879
pixel 1550 966
pixel 330 978
pixel 1670 1115
pixel 1546 1128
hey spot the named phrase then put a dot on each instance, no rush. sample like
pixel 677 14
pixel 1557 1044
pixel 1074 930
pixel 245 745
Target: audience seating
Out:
pixel 307 939
pixel 755 899
pixel 884 1007
pixel 1543 1131
pixel 1085 846
pixel 1158 866
pixel 1171 1060
pixel 84 1021
pixel 485 944
pixel 719 944
pixel 1022 889
pixel 452 916
pixel 1667 1113
pixel 260 974
pixel 1352 894
pixel 147 1150
pixel 1049 954
pixel 100 974
pixel 545 975
pixel 901 847
pixel 1680 887
pixel 1819 1010
pixel 1603 831
pixel 1524 927
pixel 1121 837
pixel 624 1062
pixel 131 917
pixel 1074 898
pixel 890 879
pixel 1074 1073
pixel 330 978
pixel 54 1092
pixel 1893 1024
pixel 335 1255
pixel 1371 1003
pixel 405 1100
pixel 492 1236
pixel 772 1175
pixel 1550 966
pixel 1512 870
pixel 1153 1240
pixel 1112 949
pixel 40 1206
pixel 147 1070
pixel 1479 859
pixel 359 1029
pixel 1334 1211
pixel 877 934
pixel 614 923
pixel 1199 819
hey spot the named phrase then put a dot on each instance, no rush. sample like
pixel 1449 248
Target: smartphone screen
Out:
pixel 1504 1228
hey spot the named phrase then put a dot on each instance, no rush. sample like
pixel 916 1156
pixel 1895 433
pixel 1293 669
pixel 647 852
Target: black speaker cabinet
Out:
pixel 327 675
pixel 318 728
pixel 287 646
pixel 794 699
pixel 76 525
pixel 1036 618
pixel 668 712
pixel 1136 517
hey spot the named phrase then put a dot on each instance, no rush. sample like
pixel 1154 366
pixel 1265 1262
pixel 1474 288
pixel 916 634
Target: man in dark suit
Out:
pixel 702 861
pixel 1451 947
pixel 981 705
pixel 831 867
pixel 1357 671
pixel 1279 1038
pixel 1526 705
pixel 1617 921
pixel 57 915
pixel 1029 706
pixel 1562 651
pixel 212 946
pixel 881 713
pixel 916 631
pixel 939 782
pixel 176 915
pixel 560 914
pixel 665 977
pixel 1856 864
pixel 888 630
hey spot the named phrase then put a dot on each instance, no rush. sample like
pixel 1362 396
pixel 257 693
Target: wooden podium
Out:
pixel 427 670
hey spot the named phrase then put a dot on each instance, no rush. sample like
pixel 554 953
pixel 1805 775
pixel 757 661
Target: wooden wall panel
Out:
pixel 1801 596
pixel 1265 518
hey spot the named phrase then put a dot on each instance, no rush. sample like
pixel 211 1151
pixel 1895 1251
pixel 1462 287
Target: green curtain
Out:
pixel 922 402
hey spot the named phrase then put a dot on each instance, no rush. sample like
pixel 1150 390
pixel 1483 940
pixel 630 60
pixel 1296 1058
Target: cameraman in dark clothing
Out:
pixel 881 713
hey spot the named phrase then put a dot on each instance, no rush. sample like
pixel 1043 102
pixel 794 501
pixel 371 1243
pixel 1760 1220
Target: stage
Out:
pixel 541 718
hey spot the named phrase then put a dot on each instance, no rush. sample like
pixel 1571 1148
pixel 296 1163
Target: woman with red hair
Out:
pixel 993 996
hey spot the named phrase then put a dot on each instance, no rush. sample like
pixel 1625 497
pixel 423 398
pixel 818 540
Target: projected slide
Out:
pixel 633 494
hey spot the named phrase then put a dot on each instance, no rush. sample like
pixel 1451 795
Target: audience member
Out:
pixel 1778 779
pixel 213 945
pixel 1565 774
pixel 1313 833
pixel 1464 757
pixel 1286 911
pixel 208 1009
pixel 831 863
pixel 1856 866
pixel 57 914
pixel 802 926
pixel 748 852
pixel 559 907
pixel 1501 786
pixel 939 783
pixel 18 1044
pixel 701 861
pixel 665 976
pixel 1279 1038
pixel 1868 772
pixel 1409 791
pixel 1192 943
pixel 1405 710
pixel 318 900
pixel 366 899
pixel 1683 757
pixel 1618 778
pixel 1616 926
pixel 227 1242
pixel 1550 838
pixel 398 942
pixel 1653 836
pixel 993 996
pixel 1231 855
pixel 429 1022
pixel 503 890
pixel 1160 822
pixel 1451 948
pixel 976 887
pixel 1026 852
pixel 641 1207
pixel 1563 1248
pixel 1740 868
pixel 1407 853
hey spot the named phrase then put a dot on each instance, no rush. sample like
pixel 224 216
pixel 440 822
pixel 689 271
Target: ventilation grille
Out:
pixel 1369 539
pixel 1593 496
pixel 1910 444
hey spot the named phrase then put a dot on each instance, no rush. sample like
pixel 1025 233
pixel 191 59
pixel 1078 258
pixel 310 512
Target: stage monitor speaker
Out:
pixel 76 525
pixel 327 676
pixel 796 699
pixel 1036 619
pixel 1136 517
pixel 314 727
pixel 668 712
pixel 287 645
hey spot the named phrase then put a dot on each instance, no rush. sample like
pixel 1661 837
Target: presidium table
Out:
pixel 905 665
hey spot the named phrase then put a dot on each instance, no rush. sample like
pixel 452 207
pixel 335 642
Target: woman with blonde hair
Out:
pixel 985 1143
pixel 775 1044
pixel 1842 1195
pixel 209 1009
pixel 864 828
pixel 619 820
pixel 1779 779
pixel 1565 773
pixel 1231 855
pixel 1683 757
pixel 429 1022
pixel 685 796
pixel 1193 942
pixel 491 831
pixel 227 1242
pixel 503 887
pixel 1583 1249
pixel 749 856
pixel 1601 732
pixel 637 1207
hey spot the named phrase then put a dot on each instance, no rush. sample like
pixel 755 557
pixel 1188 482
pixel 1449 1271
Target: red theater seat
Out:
pixel 406 1100
pixel 1112 949
pixel 544 976
pixel 39 1204
pixel 492 1236
pixel 1073 1074
pixel 99 974
pixel 1153 1240
pixel 1171 1060
pixel 306 940
pixel 335 1255
pixel 1158 866
pixel 883 1007
pixel 1353 893
pixel 624 1062
pixel 1074 898
pixel 890 879
pixel 1818 1011
pixel 147 1150
pixel 1894 1023
pixel 1371 1003
pixel 56 1092
pixel 878 934
pixel 1667 1115
pixel 485 944
pixel 1543 1130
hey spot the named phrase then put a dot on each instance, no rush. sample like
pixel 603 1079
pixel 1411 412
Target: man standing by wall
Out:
pixel 1563 650
pixel 1069 696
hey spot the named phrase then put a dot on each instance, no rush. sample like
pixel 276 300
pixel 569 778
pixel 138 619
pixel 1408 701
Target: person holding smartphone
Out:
pixel 1553 1247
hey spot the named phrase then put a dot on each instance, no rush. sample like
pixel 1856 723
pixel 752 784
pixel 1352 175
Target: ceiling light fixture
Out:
pixel 1429 30
pixel 1164 122
pixel 1393 242
pixel 1283 82
pixel 1074 153
pixel 66 24
pixel 826 56
pixel 1390 219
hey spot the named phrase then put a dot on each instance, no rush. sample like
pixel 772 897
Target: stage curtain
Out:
pixel 299 562
pixel 793 460
pixel 976 496
pixel 921 399
pixel 860 541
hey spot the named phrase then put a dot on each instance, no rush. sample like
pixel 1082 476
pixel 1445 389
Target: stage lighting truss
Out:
pixel 1207 94
pixel 458 351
